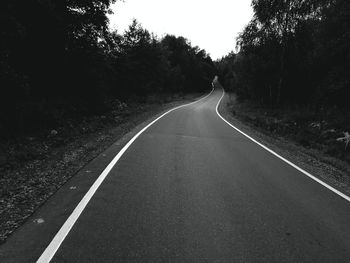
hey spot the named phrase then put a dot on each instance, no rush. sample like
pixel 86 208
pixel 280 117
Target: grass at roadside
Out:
pixel 299 135
pixel 33 167
pixel 300 125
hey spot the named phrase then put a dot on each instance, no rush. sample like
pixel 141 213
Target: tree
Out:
pixel 295 52
pixel 279 19
pixel 58 56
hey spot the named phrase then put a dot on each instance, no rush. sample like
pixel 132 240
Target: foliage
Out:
pixel 345 139
pixel 293 52
pixel 59 57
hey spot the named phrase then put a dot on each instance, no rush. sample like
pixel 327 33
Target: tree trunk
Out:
pixel 281 78
pixel 283 53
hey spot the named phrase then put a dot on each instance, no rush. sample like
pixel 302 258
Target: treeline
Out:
pixel 59 57
pixel 293 52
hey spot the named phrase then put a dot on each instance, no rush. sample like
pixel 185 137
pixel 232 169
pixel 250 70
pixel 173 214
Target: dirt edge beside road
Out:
pixel 25 187
pixel 331 170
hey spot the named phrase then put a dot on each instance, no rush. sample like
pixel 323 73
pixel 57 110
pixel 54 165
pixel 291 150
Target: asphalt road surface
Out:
pixel 192 189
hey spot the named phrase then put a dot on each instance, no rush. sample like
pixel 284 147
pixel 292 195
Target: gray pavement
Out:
pixel 192 189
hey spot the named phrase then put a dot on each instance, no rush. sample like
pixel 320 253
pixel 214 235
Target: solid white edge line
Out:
pixel 280 157
pixel 56 242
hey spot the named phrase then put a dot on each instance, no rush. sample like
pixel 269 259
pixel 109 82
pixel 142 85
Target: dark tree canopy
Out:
pixel 293 52
pixel 58 56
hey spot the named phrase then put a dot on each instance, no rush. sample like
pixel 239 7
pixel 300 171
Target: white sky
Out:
pixel 211 25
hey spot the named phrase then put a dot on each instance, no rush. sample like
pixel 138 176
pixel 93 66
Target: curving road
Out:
pixel 192 189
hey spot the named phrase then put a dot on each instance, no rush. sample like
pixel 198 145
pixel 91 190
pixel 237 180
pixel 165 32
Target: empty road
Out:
pixel 190 188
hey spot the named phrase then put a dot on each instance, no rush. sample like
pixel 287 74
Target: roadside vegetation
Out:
pixel 291 72
pixel 58 59
pixel 38 165
pixel 70 87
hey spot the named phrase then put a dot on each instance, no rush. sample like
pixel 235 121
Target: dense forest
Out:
pixel 60 58
pixel 293 52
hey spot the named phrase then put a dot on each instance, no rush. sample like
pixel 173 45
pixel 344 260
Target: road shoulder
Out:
pixel 39 227
pixel 311 160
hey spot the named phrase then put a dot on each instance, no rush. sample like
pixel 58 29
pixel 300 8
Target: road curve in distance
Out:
pixel 192 189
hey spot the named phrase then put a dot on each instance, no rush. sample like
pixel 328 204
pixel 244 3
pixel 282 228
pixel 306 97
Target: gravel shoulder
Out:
pixel 37 166
pixel 331 170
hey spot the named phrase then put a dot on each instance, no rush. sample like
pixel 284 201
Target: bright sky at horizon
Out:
pixel 211 25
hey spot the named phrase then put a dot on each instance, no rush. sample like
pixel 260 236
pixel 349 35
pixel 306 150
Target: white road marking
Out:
pixel 56 242
pixel 280 157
